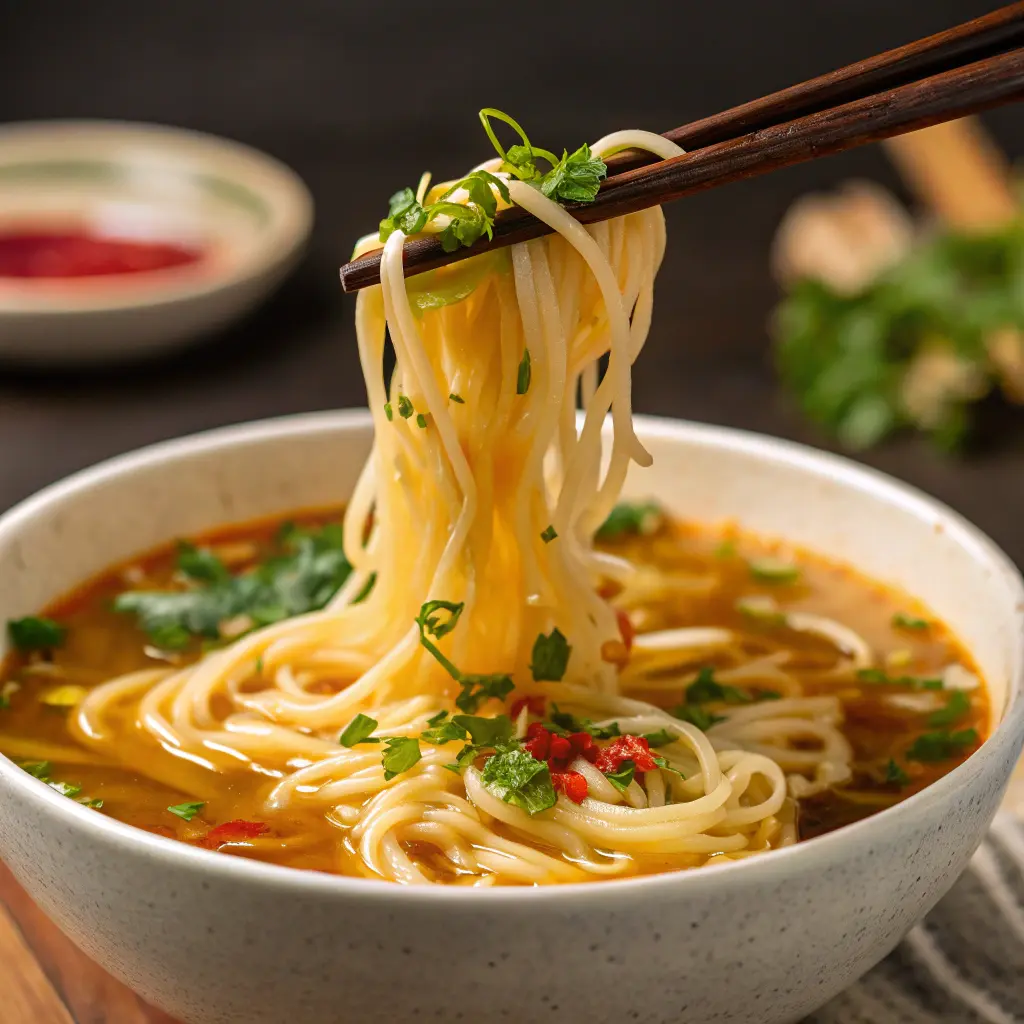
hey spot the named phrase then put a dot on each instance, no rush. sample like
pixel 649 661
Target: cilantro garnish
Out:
pixel 200 563
pixel 877 677
pixel 895 774
pixel 696 715
pixel 548 534
pixel 35 633
pixel 623 777
pixel 628 519
pixel 302 576
pixel 942 745
pixel 401 754
pixel 41 770
pixel 903 621
pixel 958 705
pixel 524 373
pixel 550 657
pixel 405 408
pixel 706 688
pixel 389 411
pixel 661 738
pixel 359 730
pixel 437 619
pixel 458 399
pixel 519 779
pixel 443 730
pixel 773 570
pixel 487 732
pixel 564 723
pixel 186 811
pixel 421 421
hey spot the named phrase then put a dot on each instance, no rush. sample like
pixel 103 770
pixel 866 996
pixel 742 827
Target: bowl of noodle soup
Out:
pixel 213 938
pixel 539 709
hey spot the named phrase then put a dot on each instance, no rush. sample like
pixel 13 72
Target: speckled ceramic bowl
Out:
pixel 212 938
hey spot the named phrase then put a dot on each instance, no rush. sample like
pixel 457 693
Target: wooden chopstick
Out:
pixel 917 104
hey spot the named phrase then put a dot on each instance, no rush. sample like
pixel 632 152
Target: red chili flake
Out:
pixel 536 705
pixel 626 748
pixel 572 784
pixel 233 832
pixel 538 741
pixel 625 628
pixel 583 744
pixel 560 748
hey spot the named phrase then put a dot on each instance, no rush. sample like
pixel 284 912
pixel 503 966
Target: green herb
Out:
pixel 388 411
pixel 401 754
pixel 405 408
pixel 41 770
pixel 437 619
pixel 404 214
pixel 524 374
pixel 903 621
pixel 726 549
pixel 621 778
pixel 421 421
pixel 663 763
pixel 7 691
pixel 306 573
pixel 443 730
pixel 548 535
pixel 457 398
pixel 186 811
pixel 660 738
pixel 200 563
pixel 37 769
pixel 696 715
pixel 762 609
pixel 487 732
pixel 359 730
pixel 68 789
pixel 35 633
pixel 941 746
pixel 706 688
pixel 629 519
pixel 895 774
pixel 92 802
pixel 519 779
pixel 877 677
pixel 958 705
pixel 550 657
pixel 564 723
pixel 772 570
pixel 259 665
pixel 467 756
pixel 367 588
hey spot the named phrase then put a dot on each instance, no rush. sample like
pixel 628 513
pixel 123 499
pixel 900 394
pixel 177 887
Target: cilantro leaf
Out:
pixel 705 688
pixel 903 621
pixel 941 746
pixel 405 407
pixel 550 657
pixel 895 774
pixel 877 677
pixel 475 689
pixel 575 178
pixel 773 570
pixel 401 754
pixel 628 519
pixel 548 534
pixel 186 811
pixel 37 769
pixel 404 214
pixel 443 730
pixel 519 779
pixel 35 633
pixel 958 705
pixel 564 723
pixel 524 373
pixel 200 563
pixel 68 789
pixel 458 399
pixel 623 777
pixel 661 738
pixel 696 715
pixel 486 732
pixel 359 730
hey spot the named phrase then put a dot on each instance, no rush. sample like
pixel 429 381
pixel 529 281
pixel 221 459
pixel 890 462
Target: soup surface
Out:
pixel 912 703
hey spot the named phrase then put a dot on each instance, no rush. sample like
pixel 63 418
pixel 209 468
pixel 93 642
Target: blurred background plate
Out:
pixel 121 240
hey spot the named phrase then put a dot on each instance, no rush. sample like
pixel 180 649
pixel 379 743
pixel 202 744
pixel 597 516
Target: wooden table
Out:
pixel 283 82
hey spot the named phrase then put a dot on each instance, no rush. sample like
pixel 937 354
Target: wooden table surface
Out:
pixel 284 84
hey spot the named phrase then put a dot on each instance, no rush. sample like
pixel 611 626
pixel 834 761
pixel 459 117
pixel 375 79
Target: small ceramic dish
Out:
pixel 241 217
pixel 215 939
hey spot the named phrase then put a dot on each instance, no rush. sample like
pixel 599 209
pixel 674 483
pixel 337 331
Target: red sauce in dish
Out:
pixel 75 253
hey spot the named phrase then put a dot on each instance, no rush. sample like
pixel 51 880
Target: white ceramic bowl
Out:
pixel 249 213
pixel 213 938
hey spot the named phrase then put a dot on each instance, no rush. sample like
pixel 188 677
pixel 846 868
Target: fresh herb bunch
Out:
pixel 574 177
pixel 928 338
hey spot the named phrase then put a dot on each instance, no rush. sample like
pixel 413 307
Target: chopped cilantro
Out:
pixel 564 723
pixel 576 178
pixel 627 519
pixel 958 705
pixel 401 754
pixel 941 745
pixel 550 657
pixel 475 689
pixel 443 730
pixel 519 779
pixel 696 715
pixel 405 214
pixel 68 789
pixel 548 534
pixel 660 738
pixel 359 730
pixel 487 732
pixel 41 770
pixel 186 811
pixel 37 769
pixel 895 774
pixel 389 411
pixel 421 421
pixel 35 633
pixel 662 763
pixel 200 563
pixel 877 677
pixel 405 407
pixel 525 373
pixel 706 688
pixel 458 399
pixel 903 621
pixel 623 777
pixel 306 573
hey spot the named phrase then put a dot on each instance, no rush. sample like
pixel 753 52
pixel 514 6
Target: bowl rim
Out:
pixel 800 858
pixel 288 199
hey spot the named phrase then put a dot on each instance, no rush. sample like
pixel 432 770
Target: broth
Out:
pixel 722 578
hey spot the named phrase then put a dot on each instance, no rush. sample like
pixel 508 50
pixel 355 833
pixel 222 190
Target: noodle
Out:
pixel 455 504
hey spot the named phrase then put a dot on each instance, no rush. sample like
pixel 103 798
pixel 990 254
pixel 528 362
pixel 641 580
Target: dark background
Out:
pixel 359 98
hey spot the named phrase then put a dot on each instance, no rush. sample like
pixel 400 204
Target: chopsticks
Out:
pixel 962 71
